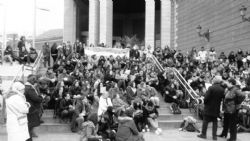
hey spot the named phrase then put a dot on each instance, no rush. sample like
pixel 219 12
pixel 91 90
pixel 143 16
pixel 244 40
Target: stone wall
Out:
pixel 222 17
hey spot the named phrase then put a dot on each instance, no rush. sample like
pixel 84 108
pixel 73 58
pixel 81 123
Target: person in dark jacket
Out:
pixel 212 101
pixel 54 52
pixel 8 54
pixel 134 53
pixel 66 107
pixel 127 130
pixel 46 54
pixel 33 55
pixel 35 100
pixel 233 98
pixel 21 43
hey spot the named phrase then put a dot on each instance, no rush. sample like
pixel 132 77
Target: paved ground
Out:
pixel 168 135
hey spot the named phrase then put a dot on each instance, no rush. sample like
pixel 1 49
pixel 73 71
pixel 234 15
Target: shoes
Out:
pixel 222 136
pixel 147 128
pixel 34 135
pixel 41 121
pixel 158 131
pixel 230 140
pixel 202 136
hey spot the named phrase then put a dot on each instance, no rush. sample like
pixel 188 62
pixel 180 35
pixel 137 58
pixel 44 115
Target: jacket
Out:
pixel 35 100
pixel 233 98
pixel 127 131
pixel 212 100
pixel 17 123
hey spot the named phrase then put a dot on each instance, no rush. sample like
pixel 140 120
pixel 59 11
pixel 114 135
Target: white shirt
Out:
pixel 103 105
pixel 202 55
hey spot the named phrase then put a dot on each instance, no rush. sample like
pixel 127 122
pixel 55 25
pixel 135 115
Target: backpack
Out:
pixel 183 104
pixel 175 108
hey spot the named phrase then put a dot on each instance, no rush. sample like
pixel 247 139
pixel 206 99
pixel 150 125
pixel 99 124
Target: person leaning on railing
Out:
pixel 33 55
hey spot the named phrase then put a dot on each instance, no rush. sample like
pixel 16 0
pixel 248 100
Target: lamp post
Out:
pixel 34 22
pixel 205 35
pixel 243 10
pixel 4 31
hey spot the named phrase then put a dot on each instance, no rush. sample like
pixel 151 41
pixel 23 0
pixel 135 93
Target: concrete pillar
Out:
pixel 175 24
pixel 69 26
pixel 106 22
pixel 165 22
pixel 94 21
pixel 150 24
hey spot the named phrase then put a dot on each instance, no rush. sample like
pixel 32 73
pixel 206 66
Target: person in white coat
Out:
pixel 104 103
pixel 17 109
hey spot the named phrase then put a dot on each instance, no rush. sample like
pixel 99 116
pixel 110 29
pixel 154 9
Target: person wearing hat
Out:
pixel 17 109
pixel 212 101
pixel 233 98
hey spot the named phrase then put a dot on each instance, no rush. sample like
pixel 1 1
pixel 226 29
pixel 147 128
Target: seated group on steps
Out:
pixel 117 97
pixel 117 89
pixel 26 54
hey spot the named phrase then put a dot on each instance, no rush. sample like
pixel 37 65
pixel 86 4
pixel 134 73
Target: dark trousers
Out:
pixel 54 57
pixel 30 130
pixel 46 59
pixel 206 120
pixel 230 123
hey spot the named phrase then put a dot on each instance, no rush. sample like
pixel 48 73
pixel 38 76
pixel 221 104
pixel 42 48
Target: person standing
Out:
pixel 21 43
pixel 17 109
pixel 35 101
pixel 46 54
pixel 54 52
pixel 23 52
pixel 212 101
pixel 233 98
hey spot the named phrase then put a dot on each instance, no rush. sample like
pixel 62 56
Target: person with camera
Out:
pixel 212 102
pixel 233 98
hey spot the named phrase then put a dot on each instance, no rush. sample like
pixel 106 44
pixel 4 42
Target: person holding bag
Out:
pixel 17 109
pixel 233 99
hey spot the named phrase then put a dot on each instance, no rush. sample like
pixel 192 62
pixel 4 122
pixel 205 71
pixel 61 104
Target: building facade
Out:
pixel 109 20
pixel 159 23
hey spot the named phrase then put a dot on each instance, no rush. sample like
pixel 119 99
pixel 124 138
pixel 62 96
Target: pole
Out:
pixel 34 26
pixel 4 32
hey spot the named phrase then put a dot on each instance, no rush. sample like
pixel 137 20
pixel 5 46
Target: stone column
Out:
pixel 106 22
pixel 94 21
pixel 165 22
pixel 69 26
pixel 150 24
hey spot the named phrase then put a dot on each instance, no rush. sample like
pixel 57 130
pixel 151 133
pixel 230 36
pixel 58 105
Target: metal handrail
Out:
pixel 193 95
pixel 36 64
pixel 186 85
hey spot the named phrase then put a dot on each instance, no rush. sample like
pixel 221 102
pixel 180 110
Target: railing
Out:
pixel 195 99
pixel 35 66
pixel 20 76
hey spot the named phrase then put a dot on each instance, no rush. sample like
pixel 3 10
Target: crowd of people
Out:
pixel 25 54
pixel 117 97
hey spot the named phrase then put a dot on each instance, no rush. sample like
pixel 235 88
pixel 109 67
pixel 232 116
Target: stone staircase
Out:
pixel 166 119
